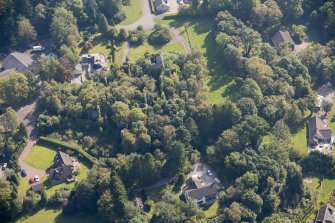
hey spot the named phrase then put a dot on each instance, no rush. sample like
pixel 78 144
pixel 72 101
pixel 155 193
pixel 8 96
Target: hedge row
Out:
pixel 54 142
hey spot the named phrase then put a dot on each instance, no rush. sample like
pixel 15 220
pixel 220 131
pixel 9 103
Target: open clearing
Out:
pixel 54 216
pixel 40 157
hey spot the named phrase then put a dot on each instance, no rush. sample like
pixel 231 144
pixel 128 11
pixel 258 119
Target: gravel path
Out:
pixel 26 115
pixel 179 38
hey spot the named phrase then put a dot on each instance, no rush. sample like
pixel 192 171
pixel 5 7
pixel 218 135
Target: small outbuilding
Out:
pixel 37 187
pixel 281 36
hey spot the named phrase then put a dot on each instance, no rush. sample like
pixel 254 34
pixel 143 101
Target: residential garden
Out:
pixel 41 157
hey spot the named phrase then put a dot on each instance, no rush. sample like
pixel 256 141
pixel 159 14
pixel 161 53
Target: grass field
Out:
pixel 54 216
pixel 40 157
pixel 325 190
pixel 299 140
pixel 138 52
pixel 133 12
pixel 329 117
pixel 211 211
pixel 23 187
pixel 200 34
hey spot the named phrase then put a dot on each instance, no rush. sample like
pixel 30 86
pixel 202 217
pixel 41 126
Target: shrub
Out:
pixel 136 37
pixel 122 35
pixel 160 35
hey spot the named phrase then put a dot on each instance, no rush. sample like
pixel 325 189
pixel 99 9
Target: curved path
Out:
pixel 26 115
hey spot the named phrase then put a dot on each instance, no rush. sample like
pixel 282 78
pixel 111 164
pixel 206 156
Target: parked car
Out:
pixel 37 179
pixel 23 173
pixel 209 173
pixel 4 166
pixel 31 180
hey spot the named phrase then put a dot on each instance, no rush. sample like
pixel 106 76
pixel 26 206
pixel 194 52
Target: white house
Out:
pixel 162 5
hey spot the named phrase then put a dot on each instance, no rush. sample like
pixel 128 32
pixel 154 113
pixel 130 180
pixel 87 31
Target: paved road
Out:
pixel 26 115
pixel 147 20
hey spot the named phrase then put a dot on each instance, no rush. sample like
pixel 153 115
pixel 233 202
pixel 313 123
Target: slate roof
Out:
pixel 326 214
pixel 281 36
pixel 19 61
pixel 65 158
pixel 202 192
pixel 60 174
pixel 38 186
pixel 318 129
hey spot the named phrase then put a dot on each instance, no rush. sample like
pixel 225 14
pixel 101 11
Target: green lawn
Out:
pixel 211 211
pixel 200 34
pixel 139 51
pixel 299 140
pixel 325 190
pixel 40 157
pixel 133 12
pixel 54 216
pixel 329 117
pixel 23 187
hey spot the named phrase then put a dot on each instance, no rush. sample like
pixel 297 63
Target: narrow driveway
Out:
pixel 26 115
pixel 147 20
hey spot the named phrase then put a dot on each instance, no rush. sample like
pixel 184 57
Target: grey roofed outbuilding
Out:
pixel 326 214
pixel 37 187
pixel 202 192
pixel 22 62
pixel 281 36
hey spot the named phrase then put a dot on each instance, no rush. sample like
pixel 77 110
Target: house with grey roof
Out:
pixel 281 36
pixel 61 174
pixel 63 169
pixel 202 193
pixel 318 131
pixel 326 214
pixel 21 62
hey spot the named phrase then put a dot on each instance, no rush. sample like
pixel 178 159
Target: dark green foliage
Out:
pixel 103 24
pixel 136 37
pixel 160 35
pixel 318 164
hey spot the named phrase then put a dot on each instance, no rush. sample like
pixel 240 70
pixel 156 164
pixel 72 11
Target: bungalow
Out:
pixel 162 6
pixel 326 214
pixel 63 169
pixel 203 194
pixel 22 62
pixel 318 132
pixel 281 36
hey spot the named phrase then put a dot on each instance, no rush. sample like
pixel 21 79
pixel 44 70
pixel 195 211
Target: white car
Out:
pixel 37 179
pixel 209 173
pixel 4 166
